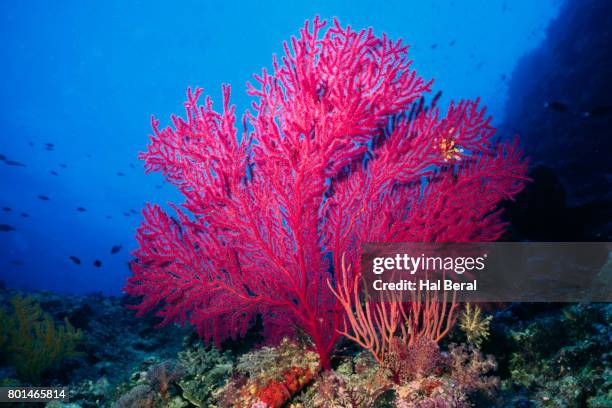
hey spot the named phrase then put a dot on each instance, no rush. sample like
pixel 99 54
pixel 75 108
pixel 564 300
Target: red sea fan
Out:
pixel 328 160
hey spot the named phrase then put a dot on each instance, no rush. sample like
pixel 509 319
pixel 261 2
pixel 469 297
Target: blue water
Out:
pixel 85 76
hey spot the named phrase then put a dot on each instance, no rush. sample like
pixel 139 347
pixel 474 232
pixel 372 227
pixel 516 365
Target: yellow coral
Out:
pixel 474 325
pixel 32 342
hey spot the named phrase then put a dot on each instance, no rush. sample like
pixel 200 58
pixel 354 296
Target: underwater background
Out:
pixel 79 84
pixel 80 81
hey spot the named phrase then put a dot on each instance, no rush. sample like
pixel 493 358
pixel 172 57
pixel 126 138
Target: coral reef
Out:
pixel 559 357
pixel 161 376
pixel 453 379
pixel 431 392
pixel 153 384
pixel 336 152
pixel 357 382
pixel 92 393
pixel 141 396
pixel 32 342
pixel 270 375
pixel 190 380
pixel 547 356
pixel 206 371
pixel 405 363
pixel 113 344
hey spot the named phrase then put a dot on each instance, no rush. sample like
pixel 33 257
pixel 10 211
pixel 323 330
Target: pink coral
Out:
pixel 391 325
pixel 327 161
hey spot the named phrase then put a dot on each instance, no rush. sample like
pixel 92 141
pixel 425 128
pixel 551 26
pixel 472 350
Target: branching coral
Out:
pixel 391 325
pixel 474 325
pixel 405 363
pixel 469 369
pixel 32 342
pixel 329 159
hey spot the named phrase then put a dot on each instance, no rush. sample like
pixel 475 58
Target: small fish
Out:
pixel 556 106
pixel 451 43
pixel 49 145
pixel 158 186
pixel 25 214
pixel 7 209
pixel 502 77
pixel 6 228
pixel 54 173
pixel 14 163
pixel 76 260
pixel 63 166
pixel 89 156
pixel 31 144
pixel 127 214
pixel 598 111
pixel 133 211
pixel 97 263
pixel 2 157
pixel 43 197
pixel 49 148
pixel 108 217
pixel 120 174
pixel 132 165
pixel 81 209
pixel 115 249
pixel 17 262
pixel 434 46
